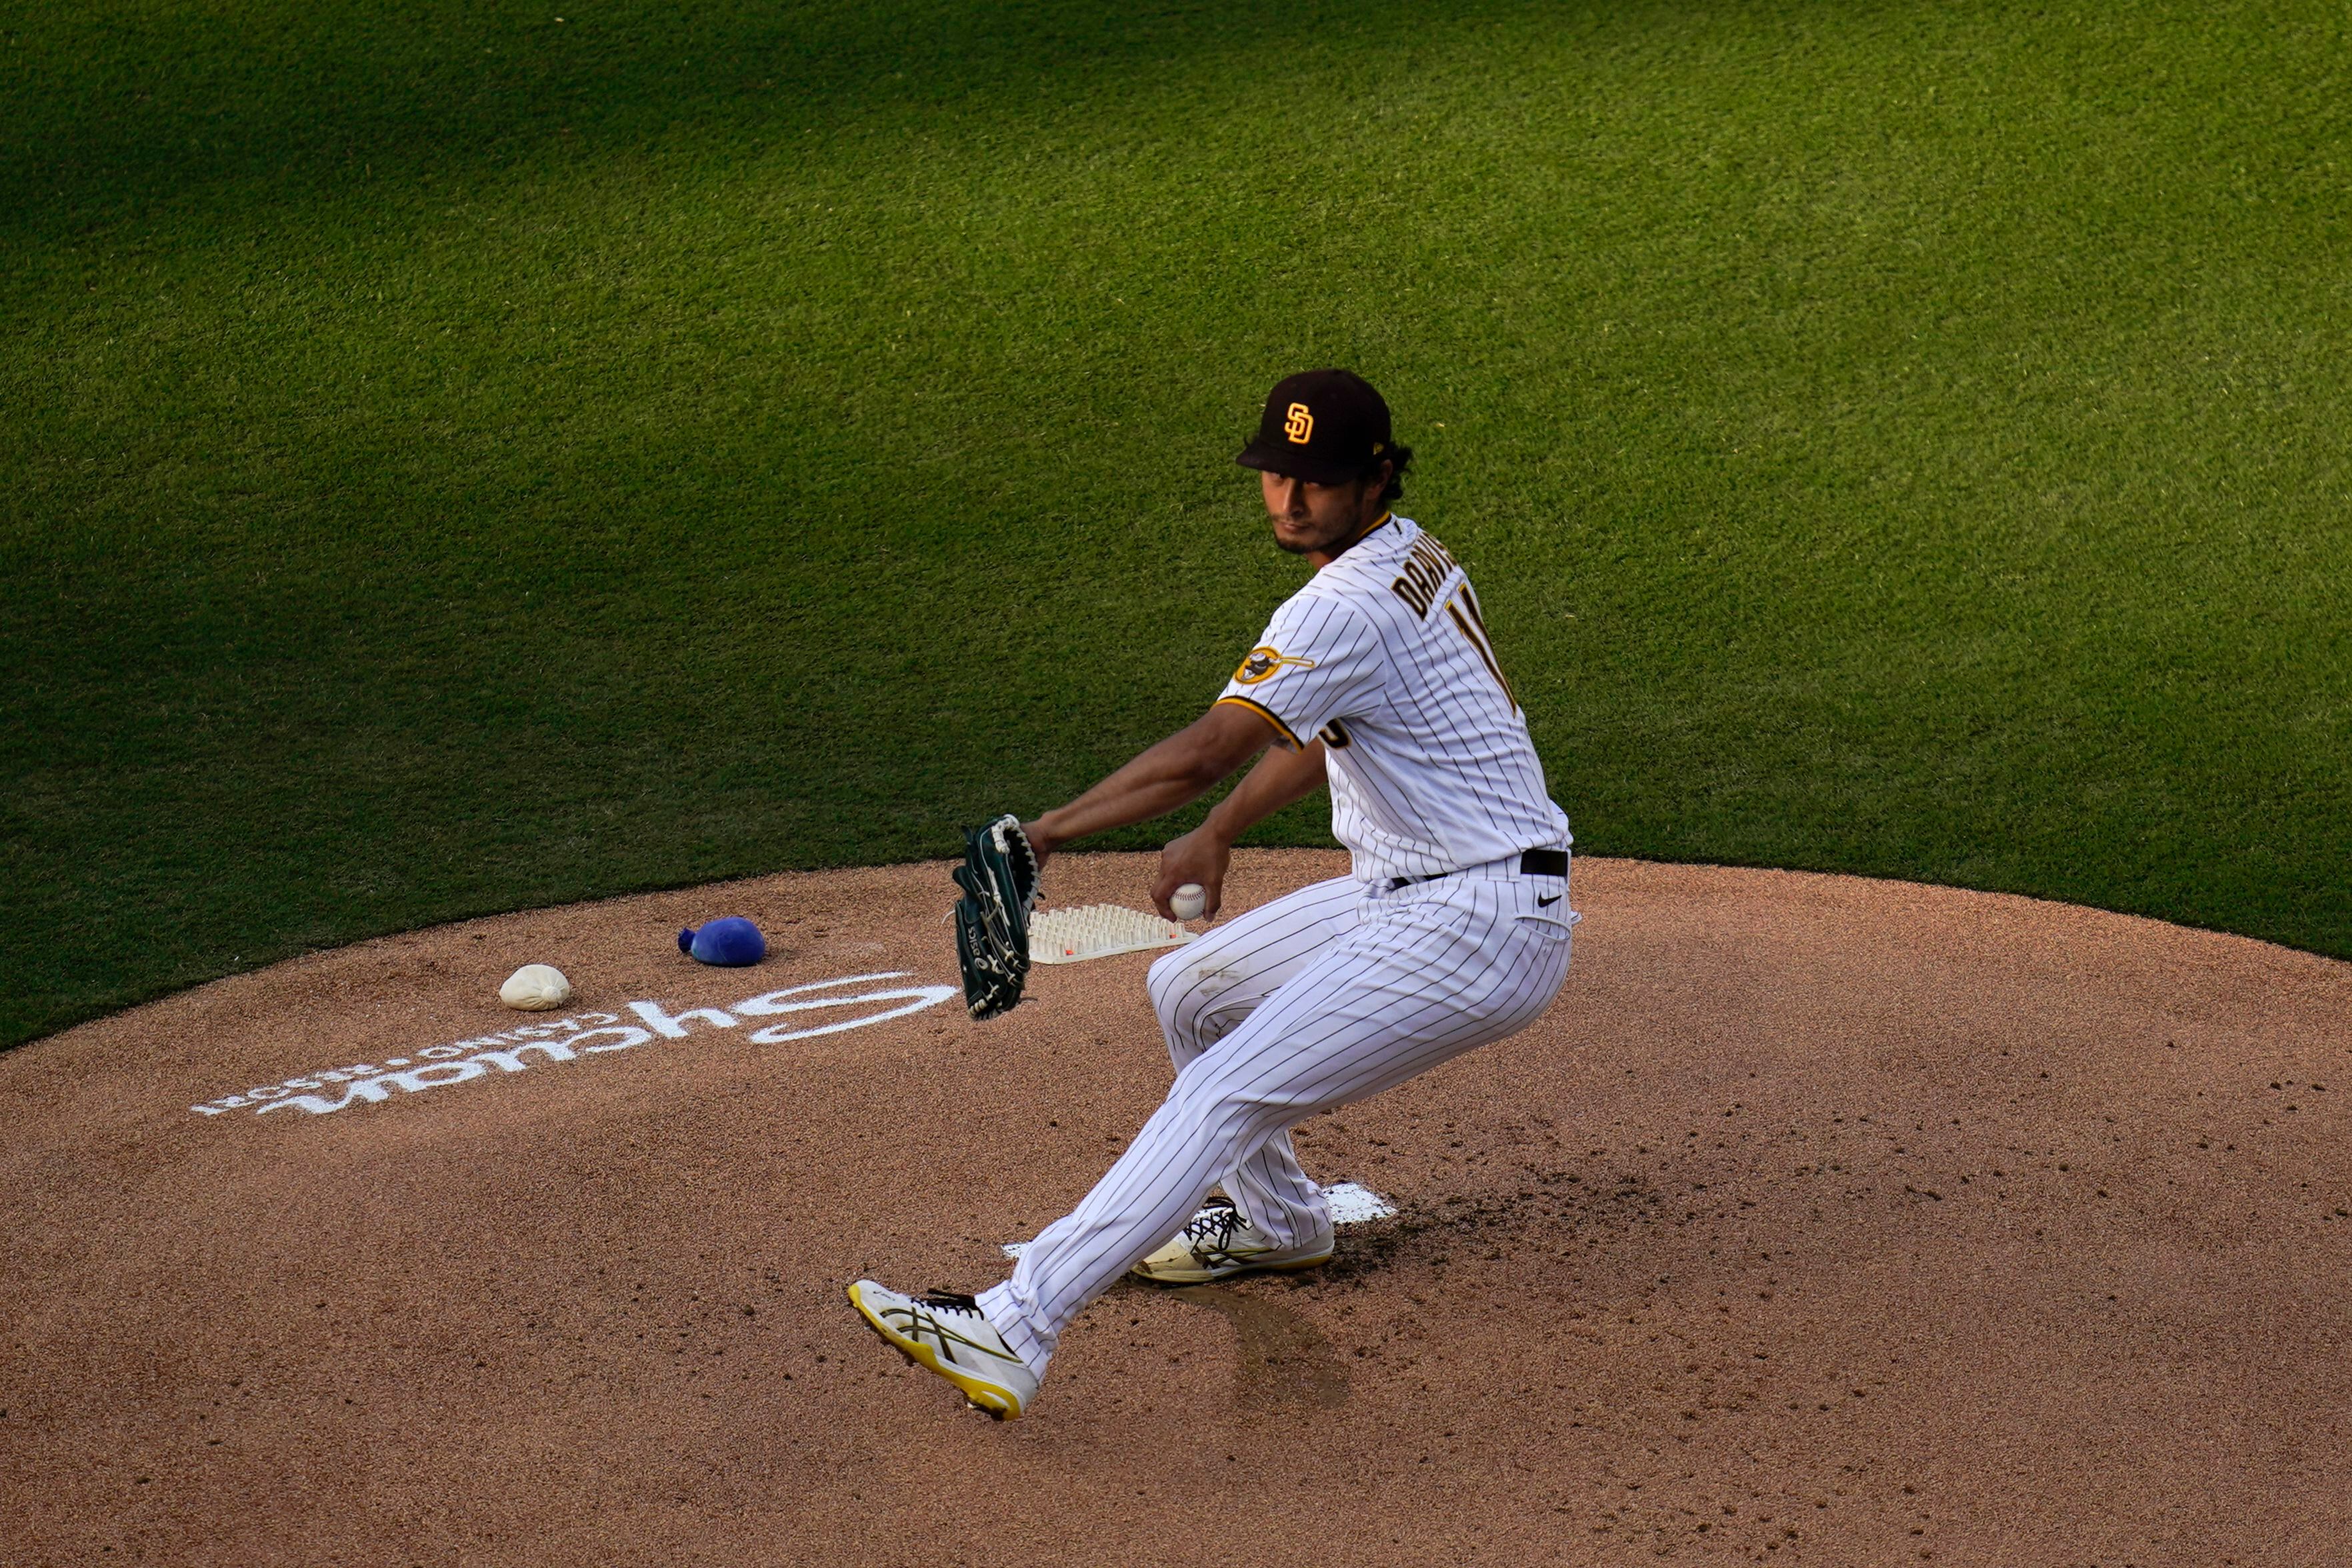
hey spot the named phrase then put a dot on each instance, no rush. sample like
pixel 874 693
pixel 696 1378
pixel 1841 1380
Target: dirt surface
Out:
pixel 1820 1221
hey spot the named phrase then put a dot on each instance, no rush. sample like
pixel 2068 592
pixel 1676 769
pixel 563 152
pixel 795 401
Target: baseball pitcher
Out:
pixel 1379 681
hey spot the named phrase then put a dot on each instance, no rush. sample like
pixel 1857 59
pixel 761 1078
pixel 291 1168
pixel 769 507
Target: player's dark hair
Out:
pixel 1402 455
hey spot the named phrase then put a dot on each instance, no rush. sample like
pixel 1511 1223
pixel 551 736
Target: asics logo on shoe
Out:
pixel 930 1314
pixel 946 1332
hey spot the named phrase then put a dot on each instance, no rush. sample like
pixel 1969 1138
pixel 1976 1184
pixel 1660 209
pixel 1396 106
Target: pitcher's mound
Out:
pixel 1822 1220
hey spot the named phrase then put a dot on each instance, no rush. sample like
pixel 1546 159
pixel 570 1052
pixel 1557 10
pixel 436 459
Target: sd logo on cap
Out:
pixel 1326 427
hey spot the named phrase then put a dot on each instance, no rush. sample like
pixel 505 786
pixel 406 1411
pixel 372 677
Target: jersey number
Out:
pixel 1473 627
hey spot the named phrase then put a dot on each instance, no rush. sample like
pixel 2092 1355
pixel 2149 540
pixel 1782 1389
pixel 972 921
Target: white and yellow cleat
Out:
pixel 1220 1243
pixel 949 1335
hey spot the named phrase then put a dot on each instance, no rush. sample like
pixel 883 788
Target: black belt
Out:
pixel 1532 863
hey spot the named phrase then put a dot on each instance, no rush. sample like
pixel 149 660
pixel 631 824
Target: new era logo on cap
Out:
pixel 1327 426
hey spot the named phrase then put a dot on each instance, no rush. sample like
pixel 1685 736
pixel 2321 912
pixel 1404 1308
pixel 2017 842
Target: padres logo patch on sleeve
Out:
pixel 1265 662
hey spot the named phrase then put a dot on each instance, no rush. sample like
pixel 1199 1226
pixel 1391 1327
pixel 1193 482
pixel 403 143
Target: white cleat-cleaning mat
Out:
pixel 1097 931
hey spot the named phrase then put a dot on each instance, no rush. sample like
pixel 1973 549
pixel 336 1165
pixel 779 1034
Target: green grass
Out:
pixel 458 459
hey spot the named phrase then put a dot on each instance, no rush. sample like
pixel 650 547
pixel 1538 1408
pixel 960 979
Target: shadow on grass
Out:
pixel 114 109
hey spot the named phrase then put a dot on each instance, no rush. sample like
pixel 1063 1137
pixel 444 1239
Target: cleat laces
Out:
pixel 1218 1217
pixel 1211 1233
pixel 950 1301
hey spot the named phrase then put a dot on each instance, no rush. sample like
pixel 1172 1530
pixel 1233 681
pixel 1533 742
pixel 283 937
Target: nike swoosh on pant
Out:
pixel 1546 903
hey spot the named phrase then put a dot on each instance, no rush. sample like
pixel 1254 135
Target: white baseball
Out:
pixel 535 988
pixel 1188 901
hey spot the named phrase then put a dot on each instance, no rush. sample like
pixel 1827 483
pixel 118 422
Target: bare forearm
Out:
pixel 1280 778
pixel 1204 855
pixel 1175 772
pixel 1156 782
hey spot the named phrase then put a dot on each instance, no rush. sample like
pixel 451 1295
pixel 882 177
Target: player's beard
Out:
pixel 1329 543
pixel 1311 535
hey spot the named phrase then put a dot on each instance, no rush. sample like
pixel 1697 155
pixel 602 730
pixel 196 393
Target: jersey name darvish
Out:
pixel 1384 656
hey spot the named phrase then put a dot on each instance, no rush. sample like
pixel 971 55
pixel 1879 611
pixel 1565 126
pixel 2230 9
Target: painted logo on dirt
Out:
pixel 578 1039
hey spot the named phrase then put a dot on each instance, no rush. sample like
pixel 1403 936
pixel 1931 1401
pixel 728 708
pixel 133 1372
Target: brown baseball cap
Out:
pixel 1326 427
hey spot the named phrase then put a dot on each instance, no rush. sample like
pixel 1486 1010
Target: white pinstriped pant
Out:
pixel 1331 994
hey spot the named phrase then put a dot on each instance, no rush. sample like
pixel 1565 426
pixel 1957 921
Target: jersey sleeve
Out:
pixel 1320 659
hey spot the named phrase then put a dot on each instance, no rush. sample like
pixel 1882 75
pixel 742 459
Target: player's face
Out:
pixel 1309 518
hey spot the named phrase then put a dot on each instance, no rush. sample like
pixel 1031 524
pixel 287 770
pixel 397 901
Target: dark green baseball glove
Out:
pixel 999 879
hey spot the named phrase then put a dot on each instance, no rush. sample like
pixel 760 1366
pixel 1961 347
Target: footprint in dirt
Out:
pixel 1283 1361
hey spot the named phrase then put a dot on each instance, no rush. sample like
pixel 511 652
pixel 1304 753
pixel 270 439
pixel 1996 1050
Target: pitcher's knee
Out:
pixel 1169 974
pixel 1178 991
pixel 1165 986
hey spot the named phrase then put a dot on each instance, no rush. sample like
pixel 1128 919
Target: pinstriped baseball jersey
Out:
pixel 1384 656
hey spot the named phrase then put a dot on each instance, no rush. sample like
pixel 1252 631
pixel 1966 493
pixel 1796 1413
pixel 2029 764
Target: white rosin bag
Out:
pixel 1097 931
